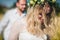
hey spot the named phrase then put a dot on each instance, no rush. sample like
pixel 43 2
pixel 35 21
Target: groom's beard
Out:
pixel 22 10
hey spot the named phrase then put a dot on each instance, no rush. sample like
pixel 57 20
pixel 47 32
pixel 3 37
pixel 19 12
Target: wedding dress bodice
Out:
pixel 25 35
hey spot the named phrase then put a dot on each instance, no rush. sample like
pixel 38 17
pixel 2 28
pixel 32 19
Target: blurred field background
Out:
pixel 4 6
pixel 9 4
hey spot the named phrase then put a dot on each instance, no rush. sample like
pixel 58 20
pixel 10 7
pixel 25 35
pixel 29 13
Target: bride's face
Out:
pixel 41 17
pixel 46 10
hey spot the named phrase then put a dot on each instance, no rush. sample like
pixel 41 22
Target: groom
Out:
pixel 11 16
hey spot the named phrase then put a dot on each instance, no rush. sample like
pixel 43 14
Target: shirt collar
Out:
pixel 24 13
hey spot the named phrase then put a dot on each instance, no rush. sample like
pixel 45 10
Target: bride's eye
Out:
pixel 40 14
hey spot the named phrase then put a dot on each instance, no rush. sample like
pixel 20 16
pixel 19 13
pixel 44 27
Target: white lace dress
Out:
pixel 25 35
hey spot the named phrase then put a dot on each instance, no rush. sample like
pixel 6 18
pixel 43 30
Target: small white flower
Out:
pixel 42 0
pixel 35 0
pixel 31 2
pixel 38 2
pixel 53 0
pixel 28 4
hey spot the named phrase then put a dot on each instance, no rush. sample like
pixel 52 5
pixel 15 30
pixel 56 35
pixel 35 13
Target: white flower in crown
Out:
pixel 38 2
pixel 35 0
pixel 31 2
pixel 42 0
pixel 53 1
pixel 28 4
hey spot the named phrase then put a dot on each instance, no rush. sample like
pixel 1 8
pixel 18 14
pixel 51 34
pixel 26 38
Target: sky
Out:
pixel 9 3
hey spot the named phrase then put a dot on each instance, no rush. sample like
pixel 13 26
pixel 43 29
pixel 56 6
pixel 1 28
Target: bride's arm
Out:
pixel 14 31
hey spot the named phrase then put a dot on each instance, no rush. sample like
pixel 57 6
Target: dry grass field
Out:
pixel 1 15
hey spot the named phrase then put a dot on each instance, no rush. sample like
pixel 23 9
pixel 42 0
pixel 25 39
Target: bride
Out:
pixel 35 26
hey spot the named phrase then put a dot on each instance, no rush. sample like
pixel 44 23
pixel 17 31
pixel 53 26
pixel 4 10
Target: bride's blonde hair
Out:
pixel 34 25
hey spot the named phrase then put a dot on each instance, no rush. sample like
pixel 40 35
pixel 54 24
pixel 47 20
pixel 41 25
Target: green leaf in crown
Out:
pixel 33 2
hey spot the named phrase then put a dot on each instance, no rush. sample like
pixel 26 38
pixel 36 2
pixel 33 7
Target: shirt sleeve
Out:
pixel 4 22
pixel 14 31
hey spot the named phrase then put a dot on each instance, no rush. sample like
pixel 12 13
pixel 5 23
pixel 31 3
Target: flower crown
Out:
pixel 34 2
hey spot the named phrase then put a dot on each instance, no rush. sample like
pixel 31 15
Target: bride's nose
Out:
pixel 40 16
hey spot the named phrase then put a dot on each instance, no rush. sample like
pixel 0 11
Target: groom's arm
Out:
pixel 4 22
pixel 14 32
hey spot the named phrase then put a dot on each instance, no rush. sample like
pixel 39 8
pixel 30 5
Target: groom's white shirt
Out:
pixel 10 17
